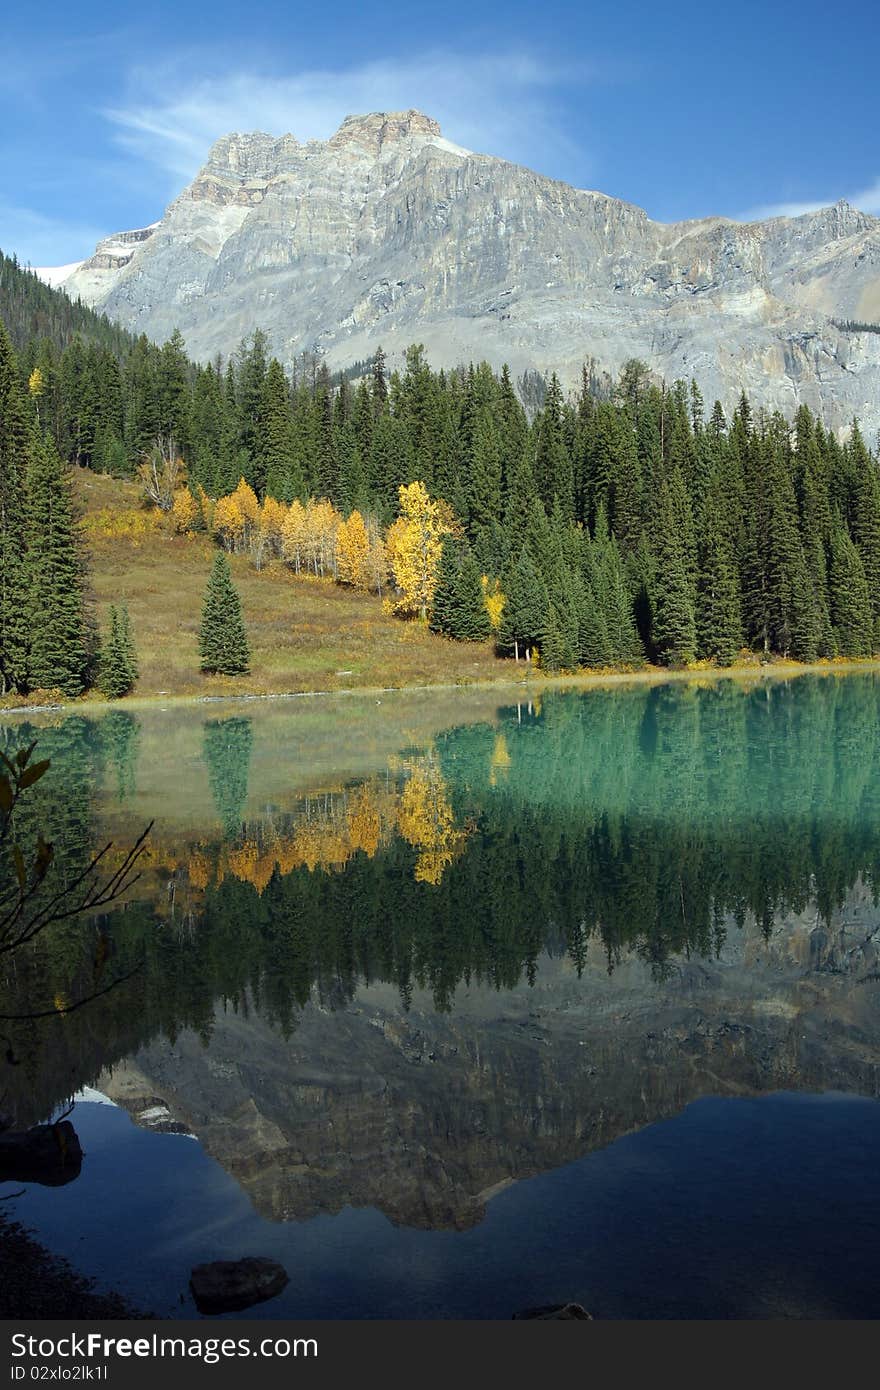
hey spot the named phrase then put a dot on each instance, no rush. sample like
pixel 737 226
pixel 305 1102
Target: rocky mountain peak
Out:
pixel 389 234
pixel 249 155
pixel 379 128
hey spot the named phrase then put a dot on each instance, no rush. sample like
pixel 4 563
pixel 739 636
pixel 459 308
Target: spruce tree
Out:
pixel 15 444
pixel 444 606
pixel 850 601
pixel 223 644
pixel 473 623
pixel 459 606
pixel 673 629
pixel 718 619
pixel 552 645
pixel 525 603
pixel 127 643
pixel 59 655
pixel 116 674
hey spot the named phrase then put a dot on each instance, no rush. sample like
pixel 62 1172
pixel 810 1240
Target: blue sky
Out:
pixel 106 111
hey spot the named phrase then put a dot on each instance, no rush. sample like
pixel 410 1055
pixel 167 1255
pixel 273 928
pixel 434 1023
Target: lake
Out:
pixel 461 1002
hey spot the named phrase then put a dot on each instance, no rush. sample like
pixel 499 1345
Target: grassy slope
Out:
pixel 303 633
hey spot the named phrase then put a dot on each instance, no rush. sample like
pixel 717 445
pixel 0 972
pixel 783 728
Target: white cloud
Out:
pixel 501 103
pixel 866 200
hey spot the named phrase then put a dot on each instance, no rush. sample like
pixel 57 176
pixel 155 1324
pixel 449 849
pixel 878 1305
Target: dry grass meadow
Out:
pixel 305 634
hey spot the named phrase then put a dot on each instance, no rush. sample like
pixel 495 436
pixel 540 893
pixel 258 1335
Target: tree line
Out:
pixel 607 527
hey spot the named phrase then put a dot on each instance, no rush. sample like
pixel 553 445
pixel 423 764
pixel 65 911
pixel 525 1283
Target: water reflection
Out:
pixel 504 945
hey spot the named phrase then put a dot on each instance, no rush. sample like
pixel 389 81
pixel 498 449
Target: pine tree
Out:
pixel 594 647
pixel 673 629
pixel 525 603
pixel 473 623
pixel 552 645
pixel 223 644
pixel 850 601
pixel 60 653
pixel 15 443
pixel 718 618
pixel 116 675
pixel 444 605
pixel 127 643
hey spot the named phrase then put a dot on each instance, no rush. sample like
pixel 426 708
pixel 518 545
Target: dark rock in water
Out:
pixel 226 1285
pixel 47 1154
pixel 556 1312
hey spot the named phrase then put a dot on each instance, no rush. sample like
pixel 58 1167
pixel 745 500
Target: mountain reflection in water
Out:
pixel 448 957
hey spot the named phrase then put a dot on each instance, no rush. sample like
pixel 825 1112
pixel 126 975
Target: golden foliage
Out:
pixel 36 383
pixel 494 601
pixel 273 515
pixel 228 522
pixel 185 511
pixel 124 523
pixel 246 500
pixel 352 550
pixel 413 545
pixel 425 818
pixel 309 537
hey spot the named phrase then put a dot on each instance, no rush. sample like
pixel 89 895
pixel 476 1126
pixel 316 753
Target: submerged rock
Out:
pixel 47 1154
pixel 556 1312
pixel 223 1286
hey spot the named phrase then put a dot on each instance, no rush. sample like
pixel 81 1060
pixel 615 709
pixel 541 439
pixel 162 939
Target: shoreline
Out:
pixel 533 681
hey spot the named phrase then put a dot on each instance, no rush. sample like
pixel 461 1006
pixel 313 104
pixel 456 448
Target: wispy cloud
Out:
pixel 504 103
pixel 865 199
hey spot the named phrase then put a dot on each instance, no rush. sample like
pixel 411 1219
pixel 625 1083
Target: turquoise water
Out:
pixel 474 1003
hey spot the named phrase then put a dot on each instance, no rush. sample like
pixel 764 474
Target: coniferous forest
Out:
pixel 624 522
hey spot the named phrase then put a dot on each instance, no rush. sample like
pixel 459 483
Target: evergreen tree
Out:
pixel 126 640
pixel 444 606
pixel 15 443
pixel 673 630
pixel 223 644
pixel 473 619
pixel 525 604
pixel 60 654
pixel 718 618
pixel 116 674
pixel 850 601
pixel 459 606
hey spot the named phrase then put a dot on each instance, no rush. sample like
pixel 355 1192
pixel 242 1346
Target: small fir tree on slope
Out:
pixel 223 644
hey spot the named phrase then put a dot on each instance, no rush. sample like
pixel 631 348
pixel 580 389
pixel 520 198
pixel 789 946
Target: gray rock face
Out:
pixel 387 233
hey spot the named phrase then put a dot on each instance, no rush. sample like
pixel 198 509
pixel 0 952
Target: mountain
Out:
pixel 388 233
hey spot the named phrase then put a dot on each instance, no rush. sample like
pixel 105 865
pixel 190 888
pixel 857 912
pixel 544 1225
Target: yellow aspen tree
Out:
pixel 272 518
pixel 321 529
pixel 413 543
pixel 293 536
pixel 246 500
pixel 352 552
pixel 185 511
pixel 228 523
pixel 376 565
